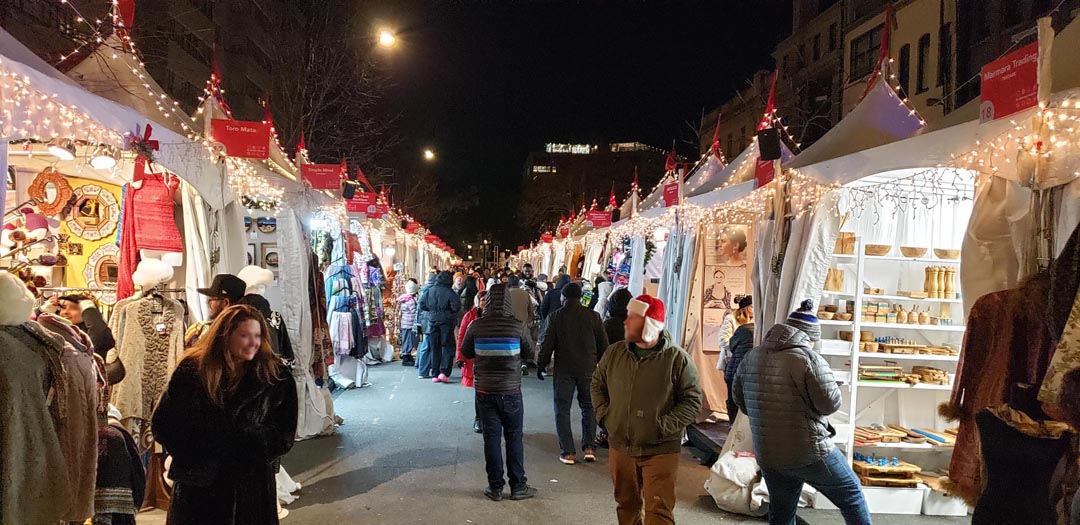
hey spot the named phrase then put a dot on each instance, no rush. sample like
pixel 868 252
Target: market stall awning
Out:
pixel 880 118
pixel 706 175
pixel 176 152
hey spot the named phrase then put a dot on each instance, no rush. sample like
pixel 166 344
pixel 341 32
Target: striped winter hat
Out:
pixel 805 320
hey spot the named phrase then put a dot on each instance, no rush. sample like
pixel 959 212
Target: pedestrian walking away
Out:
pixel 423 319
pixel 788 391
pixel 574 336
pixel 442 305
pixel 496 340
pixel 646 393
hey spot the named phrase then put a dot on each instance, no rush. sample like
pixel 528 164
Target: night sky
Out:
pixel 486 82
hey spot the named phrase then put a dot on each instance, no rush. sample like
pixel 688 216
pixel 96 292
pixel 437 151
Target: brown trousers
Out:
pixel 644 487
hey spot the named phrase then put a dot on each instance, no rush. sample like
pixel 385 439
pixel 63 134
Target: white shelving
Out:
pixel 925 327
pixel 903 386
pixel 908 357
pixel 894 258
pixel 893 298
pixel 834 322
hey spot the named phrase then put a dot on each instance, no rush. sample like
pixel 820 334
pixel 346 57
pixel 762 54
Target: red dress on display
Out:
pixel 155 226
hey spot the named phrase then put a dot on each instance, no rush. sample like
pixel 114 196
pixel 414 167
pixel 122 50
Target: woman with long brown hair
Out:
pixel 229 412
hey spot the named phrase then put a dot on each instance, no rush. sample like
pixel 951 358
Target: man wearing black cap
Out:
pixel 224 292
pixel 576 336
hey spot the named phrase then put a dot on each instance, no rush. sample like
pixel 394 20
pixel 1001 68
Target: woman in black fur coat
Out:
pixel 229 412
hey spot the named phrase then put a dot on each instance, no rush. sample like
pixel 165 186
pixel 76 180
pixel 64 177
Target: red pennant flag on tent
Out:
pixel 126 10
pixel 883 50
pixel 716 140
pixel 671 163
pixel 611 198
pixel 301 145
pixel 635 185
pixel 770 106
pixel 363 180
pixel 344 169
pixel 592 207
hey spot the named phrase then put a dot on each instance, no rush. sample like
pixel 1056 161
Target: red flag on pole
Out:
pixel 126 9
pixel 344 169
pixel 716 140
pixel 611 198
pixel 301 145
pixel 363 180
pixel 770 106
pixel 883 50
pixel 636 185
pixel 671 163
pixel 593 206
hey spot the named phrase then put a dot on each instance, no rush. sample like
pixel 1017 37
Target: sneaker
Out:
pixel 476 427
pixel 567 459
pixel 524 370
pixel 525 493
pixel 492 495
pixel 443 379
pixel 590 455
pixel 423 376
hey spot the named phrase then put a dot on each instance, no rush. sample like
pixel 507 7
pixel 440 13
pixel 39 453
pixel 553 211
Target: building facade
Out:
pixel 810 70
pixel 739 117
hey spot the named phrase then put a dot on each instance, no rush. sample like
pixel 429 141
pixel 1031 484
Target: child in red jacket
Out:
pixel 466 365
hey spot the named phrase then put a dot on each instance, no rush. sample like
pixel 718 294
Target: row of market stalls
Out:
pixel 111 191
pixel 931 252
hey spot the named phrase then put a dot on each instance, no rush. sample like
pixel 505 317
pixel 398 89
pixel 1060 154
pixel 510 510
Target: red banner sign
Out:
pixel 362 202
pixel 322 176
pixel 1010 84
pixel 547 237
pixel 764 172
pixel 598 219
pixel 242 138
pixel 671 194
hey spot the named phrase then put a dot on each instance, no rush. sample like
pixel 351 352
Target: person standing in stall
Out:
pixel 788 391
pixel 224 292
pixel 229 412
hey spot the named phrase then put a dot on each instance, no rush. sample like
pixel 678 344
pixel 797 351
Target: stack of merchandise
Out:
pixel 883 472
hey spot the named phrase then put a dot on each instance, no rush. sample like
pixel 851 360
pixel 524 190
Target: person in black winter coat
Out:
pixel 228 413
pixel 442 305
pixel 575 335
pixel 553 299
pixel 423 319
pixel 613 325
pixel 741 342
pixel 468 297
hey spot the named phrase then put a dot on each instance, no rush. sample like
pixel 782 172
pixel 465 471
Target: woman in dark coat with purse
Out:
pixel 229 412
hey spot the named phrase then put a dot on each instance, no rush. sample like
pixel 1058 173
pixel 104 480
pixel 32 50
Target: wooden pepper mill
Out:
pixel 950 283
pixel 927 287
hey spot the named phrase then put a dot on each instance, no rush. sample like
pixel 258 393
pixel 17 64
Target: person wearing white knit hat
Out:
pixel 645 392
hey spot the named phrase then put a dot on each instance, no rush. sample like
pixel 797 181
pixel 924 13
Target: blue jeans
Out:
pixel 831 476
pixel 423 356
pixel 565 386
pixel 408 341
pixel 502 417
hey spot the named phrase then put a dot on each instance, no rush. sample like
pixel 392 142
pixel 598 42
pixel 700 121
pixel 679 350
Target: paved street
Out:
pixel 407 454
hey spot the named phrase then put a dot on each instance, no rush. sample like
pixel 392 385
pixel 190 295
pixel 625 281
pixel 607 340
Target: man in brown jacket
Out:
pixel 645 392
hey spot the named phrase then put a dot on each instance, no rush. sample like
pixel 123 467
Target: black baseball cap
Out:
pixel 225 286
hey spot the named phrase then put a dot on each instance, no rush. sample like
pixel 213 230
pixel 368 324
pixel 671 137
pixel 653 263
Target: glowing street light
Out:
pixel 429 154
pixel 387 38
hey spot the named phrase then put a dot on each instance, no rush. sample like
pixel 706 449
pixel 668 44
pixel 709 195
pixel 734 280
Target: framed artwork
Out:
pixel 247 227
pixel 266 224
pixel 103 271
pixel 270 255
pixel 96 213
pixel 251 253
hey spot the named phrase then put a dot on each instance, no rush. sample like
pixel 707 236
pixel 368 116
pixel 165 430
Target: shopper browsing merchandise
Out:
pixel 225 291
pixel 788 391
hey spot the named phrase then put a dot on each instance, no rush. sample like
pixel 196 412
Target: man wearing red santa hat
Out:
pixel 645 391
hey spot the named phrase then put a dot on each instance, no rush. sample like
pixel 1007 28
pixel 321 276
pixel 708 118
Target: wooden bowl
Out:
pixel 825 315
pixel 866 337
pixel 946 254
pixel 877 250
pixel 830 308
pixel 845 335
pixel 842 317
pixel 912 251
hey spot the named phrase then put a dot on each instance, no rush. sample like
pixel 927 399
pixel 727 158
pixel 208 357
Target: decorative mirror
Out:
pixel 103 271
pixel 50 191
pixel 95 214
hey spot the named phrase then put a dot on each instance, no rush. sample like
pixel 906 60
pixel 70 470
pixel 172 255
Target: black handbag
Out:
pixel 115 372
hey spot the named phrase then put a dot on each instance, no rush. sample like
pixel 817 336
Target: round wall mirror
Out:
pixel 103 271
pixel 50 191
pixel 96 213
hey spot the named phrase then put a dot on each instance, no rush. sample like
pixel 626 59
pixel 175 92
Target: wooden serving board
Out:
pixel 903 469
pixel 872 481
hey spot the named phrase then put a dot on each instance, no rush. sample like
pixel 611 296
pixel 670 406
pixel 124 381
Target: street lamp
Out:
pixel 387 38
pixel 429 154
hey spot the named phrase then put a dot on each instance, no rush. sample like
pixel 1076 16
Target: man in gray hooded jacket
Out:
pixel 788 391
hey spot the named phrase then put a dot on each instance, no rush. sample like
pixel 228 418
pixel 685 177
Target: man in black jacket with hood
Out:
pixel 442 305
pixel 575 335
pixel 496 340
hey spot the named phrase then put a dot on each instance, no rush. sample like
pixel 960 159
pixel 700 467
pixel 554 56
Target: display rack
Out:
pixel 869 402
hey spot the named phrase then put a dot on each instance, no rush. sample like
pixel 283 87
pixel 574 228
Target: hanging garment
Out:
pixel 120 477
pixel 151 335
pixel 34 489
pixel 1020 455
pixel 155 224
pixel 77 430
pixel 1006 343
